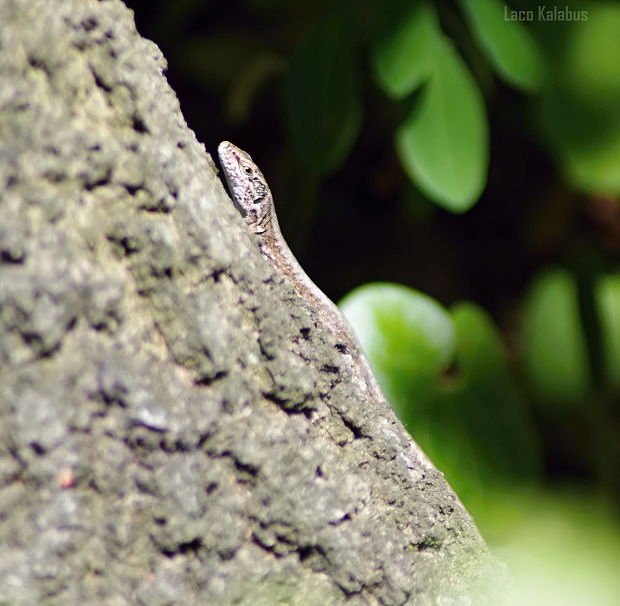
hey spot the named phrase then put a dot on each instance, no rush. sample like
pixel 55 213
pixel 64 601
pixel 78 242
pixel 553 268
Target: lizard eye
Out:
pixel 248 170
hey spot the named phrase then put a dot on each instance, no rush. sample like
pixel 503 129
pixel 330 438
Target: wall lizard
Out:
pixel 251 194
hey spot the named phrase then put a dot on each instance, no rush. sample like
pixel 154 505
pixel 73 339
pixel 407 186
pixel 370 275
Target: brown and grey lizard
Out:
pixel 251 194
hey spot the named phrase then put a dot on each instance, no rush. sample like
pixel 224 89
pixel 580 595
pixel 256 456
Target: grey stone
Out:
pixel 173 428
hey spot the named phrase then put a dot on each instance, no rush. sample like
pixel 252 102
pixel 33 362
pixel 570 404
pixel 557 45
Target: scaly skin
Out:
pixel 252 196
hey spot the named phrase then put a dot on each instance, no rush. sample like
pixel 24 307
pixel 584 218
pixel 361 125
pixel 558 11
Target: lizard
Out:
pixel 252 196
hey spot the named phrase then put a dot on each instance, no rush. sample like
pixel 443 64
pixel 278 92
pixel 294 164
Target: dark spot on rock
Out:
pixel 89 24
pixel 12 256
pixel 207 380
pixel 330 368
pixel 99 81
pixel 138 124
pixel 37 448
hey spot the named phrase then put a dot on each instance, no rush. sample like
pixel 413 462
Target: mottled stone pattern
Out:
pixel 173 427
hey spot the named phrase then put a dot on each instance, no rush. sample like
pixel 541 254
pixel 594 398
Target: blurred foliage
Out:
pixel 607 296
pixel 446 374
pixel 322 90
pixel 461 152
pixel 579 109
pixel 554 347
pixel 509 47
pixel 562 549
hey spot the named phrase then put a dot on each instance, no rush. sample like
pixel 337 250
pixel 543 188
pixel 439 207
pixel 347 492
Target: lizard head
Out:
pixel 248 187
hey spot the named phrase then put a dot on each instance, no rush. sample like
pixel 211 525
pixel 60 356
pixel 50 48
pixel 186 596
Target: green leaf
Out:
pixel 443 145
pixel 507 43
pixel 555 351
pixel 608 300
pixel 493 411
pixel 322 91
pixel 479 348
pixel 476 427
pixel 579 110
pixel 406 335
pixel 404 54
pixel 468 417
pixel 594 55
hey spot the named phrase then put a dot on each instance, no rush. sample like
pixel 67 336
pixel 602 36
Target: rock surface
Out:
pixel 173 427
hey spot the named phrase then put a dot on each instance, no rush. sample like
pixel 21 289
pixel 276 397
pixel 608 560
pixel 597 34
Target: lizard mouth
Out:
pixel 225 151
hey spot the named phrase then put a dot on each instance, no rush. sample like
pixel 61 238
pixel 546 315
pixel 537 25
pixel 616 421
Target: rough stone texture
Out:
pixel 173 427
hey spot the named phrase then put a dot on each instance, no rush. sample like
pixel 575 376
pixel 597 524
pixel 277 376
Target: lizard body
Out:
pixel 251 194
